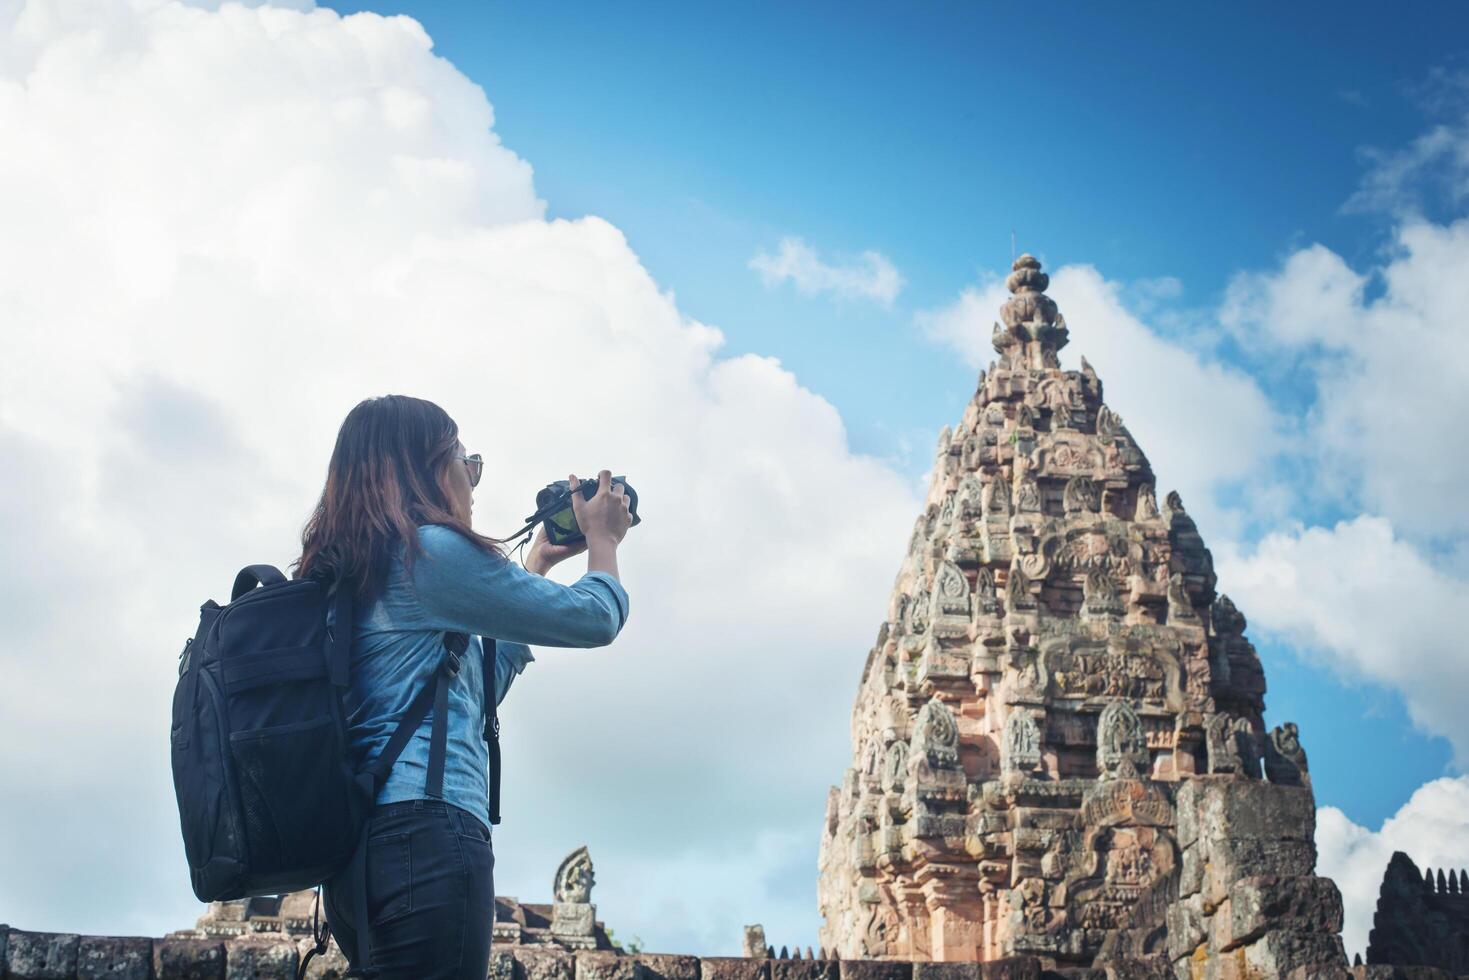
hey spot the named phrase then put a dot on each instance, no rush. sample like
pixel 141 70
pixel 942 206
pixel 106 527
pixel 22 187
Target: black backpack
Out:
pixel 269 798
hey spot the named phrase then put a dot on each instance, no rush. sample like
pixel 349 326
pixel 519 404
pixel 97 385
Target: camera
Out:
pixel 553 508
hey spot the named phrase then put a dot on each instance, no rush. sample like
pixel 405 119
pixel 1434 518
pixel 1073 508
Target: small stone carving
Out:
pixel 952 591
pixel 1227 620
pixel 1017 590
pixel 1109 423
pixel 1147 503
pixel 1022 749
pixel 1100 594
pixel 895 767
pixel 574 878
pixel 573 916
pixel 1122 750
pixel 1232 746
pixel 1081 496
pixel 937 735
pixel 997 498
pixel 1180 606
pixel 986 603
pixel 1028 497
pixel 971 497
pixel 918 611
pixel 1285 760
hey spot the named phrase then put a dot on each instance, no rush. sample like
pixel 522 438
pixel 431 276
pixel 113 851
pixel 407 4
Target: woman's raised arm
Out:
pixel 462 588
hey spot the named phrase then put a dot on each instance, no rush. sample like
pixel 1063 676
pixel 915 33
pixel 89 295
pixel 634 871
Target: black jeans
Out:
pixel 430 894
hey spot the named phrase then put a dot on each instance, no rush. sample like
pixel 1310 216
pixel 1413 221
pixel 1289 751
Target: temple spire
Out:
pixel 1033 329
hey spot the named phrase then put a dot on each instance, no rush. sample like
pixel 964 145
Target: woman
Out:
pixel 394 520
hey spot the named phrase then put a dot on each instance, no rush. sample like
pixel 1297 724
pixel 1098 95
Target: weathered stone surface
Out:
pixel 188 959
pixel 41 955
pixel 595 964
pixel 805 970
pixel 668 966
pixel 543 963
pixel 502 965
pixel 733 968
pixel 947 971
pixel 1059 732
pixel 1421 919
pixel 875 970
pixel 1296 955
pixel 261 959
pixel 1013 968
pixel 115 958
pixel 1259 904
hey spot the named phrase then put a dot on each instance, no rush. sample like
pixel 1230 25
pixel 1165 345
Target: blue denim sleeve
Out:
pixel 462 588
pixel 510 661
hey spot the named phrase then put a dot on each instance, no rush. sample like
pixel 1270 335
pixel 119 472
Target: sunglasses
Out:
pixel 475 463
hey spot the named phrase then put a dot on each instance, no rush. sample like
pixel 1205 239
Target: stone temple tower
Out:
pixel 1058 736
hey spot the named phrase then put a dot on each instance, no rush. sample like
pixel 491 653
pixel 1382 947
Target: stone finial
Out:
pixel 1031 320
pixel 574 878
pixel 754 946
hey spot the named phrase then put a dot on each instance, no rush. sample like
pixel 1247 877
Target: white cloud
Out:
pixel 1390 370
pixel 1370 605
pixel 223 228
pixel 867 276
pixel 1432 828
pixel 1202 424
pixel 1434 168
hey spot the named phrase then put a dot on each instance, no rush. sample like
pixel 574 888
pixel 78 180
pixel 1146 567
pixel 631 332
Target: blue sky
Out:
pixel 1254 216
pixel 1152 141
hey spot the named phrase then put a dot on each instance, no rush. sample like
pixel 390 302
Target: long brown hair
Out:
pixel 385 479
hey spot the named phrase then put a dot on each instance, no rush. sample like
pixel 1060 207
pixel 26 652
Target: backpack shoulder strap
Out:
pixel 492 721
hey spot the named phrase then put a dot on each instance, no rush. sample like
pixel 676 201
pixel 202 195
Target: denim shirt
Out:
pixel 398 643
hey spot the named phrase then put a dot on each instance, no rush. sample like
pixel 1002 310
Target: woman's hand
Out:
pixel 605 518
pixel 543 555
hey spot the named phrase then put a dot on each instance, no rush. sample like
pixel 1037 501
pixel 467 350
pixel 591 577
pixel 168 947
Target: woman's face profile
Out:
pixel 461 493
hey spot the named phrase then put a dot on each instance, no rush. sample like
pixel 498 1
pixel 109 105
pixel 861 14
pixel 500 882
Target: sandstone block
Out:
pixel 733 968
pixel 1191 871
pixel 502 965
pixel 1249 809
pixel 188 959
pixel 667 966
pixel 1186 930
pixel 1232 860
pixel 876 970
pixel 604 964
pixel 808 970
pixel 1013 968
pixel 1294 955
pixel 114 958
pixel 41 955
pixel 948 971
pixel 1307 904
pixel 543 964
pixel 261 959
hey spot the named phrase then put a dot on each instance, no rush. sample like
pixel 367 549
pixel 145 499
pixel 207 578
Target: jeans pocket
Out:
pixel 479 869
pixel 389 878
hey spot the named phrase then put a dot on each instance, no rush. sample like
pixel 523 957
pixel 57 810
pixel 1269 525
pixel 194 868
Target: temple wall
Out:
pixel 65 956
